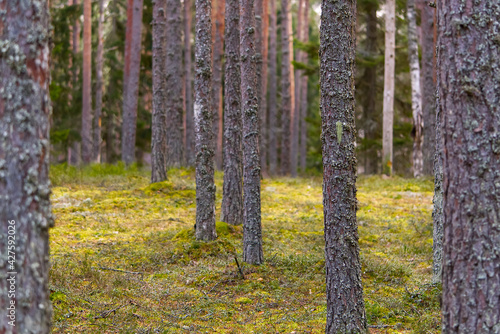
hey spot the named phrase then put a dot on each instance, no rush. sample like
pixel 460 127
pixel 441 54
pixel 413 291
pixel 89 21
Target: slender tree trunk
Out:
pixel 188 91
pixel 25 212
pixel 252 230
pixel 345 305
pixel 131 79
pixel 203 116
pixel 296 109
pixel 259 36
pixel 273 88
pixel 98 86
pixel 173 72
pixel 218 54
pixel 390 60
pixel 303 90
pixel 468 106
pixel 416 96
pixel 159 121
pixel 87 83
pixel 232 199
pixel 286 85
pixel 264 125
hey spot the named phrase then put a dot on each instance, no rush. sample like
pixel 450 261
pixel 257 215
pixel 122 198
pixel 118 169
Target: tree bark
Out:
pixel 188 88
pixel 286 86
pixel 98 86
pixel 345 305
pixel 390 60
pixel 86 133
pixel 159 121
pixel 232 199
pixel 25 212
pixel 416 95
pixel 131 79
pixel 252 230
pixel 218 54
pixel 303 90
pixel 203 116
pixel 468 103
pixel 437 211
pixel 273 88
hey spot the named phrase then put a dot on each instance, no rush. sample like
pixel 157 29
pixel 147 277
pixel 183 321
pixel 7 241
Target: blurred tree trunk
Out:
pixel 232 199
pixel 218 55
pixel 303 90
pixel 188 88
pixel 131 79
pixel 98 85
pixel 287 89
pixel 388 112
pixel 468 107
pixel 264 124
pixel 203 116
pixel 259 57
pixel 345 305
pixel 86 133
pixel 73 150
pixel 273 91
pixel 25 212
pixel 296 108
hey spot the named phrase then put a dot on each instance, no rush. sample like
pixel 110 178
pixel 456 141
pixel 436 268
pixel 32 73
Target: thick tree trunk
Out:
pixel 218 55
pixel 25 212
pixel 203 116
pixel 131 79
pixel 286 90
pixel 159 121
pixel 232 199
pixel 173 72
pixel 189 151
pixel 416 95
pixel 252 230
pixel 303 90
pixel 273 90
pixel 98 86
pixel 86 133
pixel 468 102
pixel 345 305
pixel 390 60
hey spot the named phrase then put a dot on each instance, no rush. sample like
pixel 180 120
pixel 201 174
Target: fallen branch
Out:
pixel 239 267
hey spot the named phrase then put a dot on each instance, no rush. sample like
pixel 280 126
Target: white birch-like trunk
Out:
pixel 388 111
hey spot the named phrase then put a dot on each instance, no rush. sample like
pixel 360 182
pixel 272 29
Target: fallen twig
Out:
pixel 239 267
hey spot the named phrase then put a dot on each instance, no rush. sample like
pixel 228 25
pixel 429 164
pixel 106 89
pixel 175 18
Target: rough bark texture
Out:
pixel 218 55
pixel 190 155
pixel 416 96
pixel 98 86
pixel 252 230
pixel 428 44
pixel 286 90
pixel 264 125
pixel 131 79
pixel 303 90
pixel 273 90
pixel 390 60
pixel 86 133
pixel 173 73
pixel 159 121
pixel 345 305
pixel 437 211
pixel 469 100
pixel 232 199
pixel 203 117
pixel 25 213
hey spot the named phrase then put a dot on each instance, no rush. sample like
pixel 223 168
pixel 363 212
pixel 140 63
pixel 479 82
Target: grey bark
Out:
pixel 86 132
pixel 25 212
pixel 98 86
pixel 189 151
pixel 252 229
pixel 303 90
pixel 203 116
pixel 159 121
pixel 131 79
pixel 286 90
pixel 232 199
pixel 218 55
pixel 437 211
pixel 173 72
pixel 345 306
pixel 468 102
pixel 390 60
pixel 273 90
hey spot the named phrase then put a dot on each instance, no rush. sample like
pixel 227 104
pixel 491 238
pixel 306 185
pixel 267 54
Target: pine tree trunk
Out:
pixel 25 212
pixel 416 95
pixel 159 121
pixel 203 116
pixel 232 199
pixel 273 91
pixel 286 86
pixel 131 79
pixel 264 125
pixel 98 86
pixel 86 133
pixel 390 60
pixel 296 106
pixel 188 90
pixel 345 305
pixel 218 54
pixel 252 230
pixel 437 211
pixel 468 103
pixel 303 90
pixel 259 36
pixel 173 72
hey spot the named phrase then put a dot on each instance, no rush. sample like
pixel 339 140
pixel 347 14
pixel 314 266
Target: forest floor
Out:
pixel 124 258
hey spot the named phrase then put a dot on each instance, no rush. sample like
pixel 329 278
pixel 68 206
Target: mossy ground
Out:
pixel 124 258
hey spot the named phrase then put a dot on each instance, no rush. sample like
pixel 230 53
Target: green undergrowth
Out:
pixel 124 258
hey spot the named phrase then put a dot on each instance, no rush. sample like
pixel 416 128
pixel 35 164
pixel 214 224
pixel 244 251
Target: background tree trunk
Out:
pixel 203 116
pixel 264 125
pixel 98 85
pixel 131 79
pixel 286 87
pixel 232 199
pixel 303 90
pixel 345 305
pixel 87 83
pixel 188 91
pixel 296 106
pixel 273 88
pixel 24 164
pixel 390 60
pixel 252 230
pixel 259 36
pixel 218 55
pixel 159 121
pixel 416 96
pixel 469 99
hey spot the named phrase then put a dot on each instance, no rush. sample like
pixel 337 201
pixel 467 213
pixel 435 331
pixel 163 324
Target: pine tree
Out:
pixel 98 86
pixel 217 59
pixel 286 89
pixel 388 112
pixel 303 90
pixel 273 90
pixel 189 150
pixel 87 83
